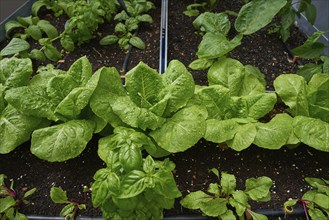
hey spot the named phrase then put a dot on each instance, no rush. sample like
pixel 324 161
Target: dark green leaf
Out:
pixel 52 53
pixel 137 42
pixel 34 31
pixel 109 40
pixel 38 55
pixel 11 25
pixel 48 28
pixel 310 13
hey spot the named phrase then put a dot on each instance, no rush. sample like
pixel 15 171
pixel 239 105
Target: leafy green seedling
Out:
pixel 222 200
pixel 315 201
pixel 10 201
pixel 70 210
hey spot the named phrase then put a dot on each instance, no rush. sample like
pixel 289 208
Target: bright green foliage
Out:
pixel 310 101
pixel 70 210
pixel 212 22
pixel 316 200
pixel 222 197
pixel 10 201
pixel 156 104
pixel 256 15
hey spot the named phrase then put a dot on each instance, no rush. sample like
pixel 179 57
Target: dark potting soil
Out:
pixel 286 167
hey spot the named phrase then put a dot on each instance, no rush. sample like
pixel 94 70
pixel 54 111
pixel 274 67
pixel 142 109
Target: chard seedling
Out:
pixel 315 202
pixel 11 202
pixel 70 210
pixel 223 201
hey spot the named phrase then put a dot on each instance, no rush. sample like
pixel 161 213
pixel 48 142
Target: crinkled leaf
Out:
pixel 33 101
pixel 201 64
pixel 81 71
pixel 15 128
pixel 213 22
pixel 62 142
pixel 258 188
pixel 216 99
pixel 274 134
pixel 220 131
pixel 58 195
pixel 215 45
pixel 179 86
pixel 15 72
pixel 292 89
pixel 181 131
pixel 243 138
pixel 3 104
pixel 257 14
pixel 143 85
pixel 15 46
pixel 313 132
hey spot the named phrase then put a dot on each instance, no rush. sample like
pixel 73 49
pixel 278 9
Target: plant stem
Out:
pixel 233 13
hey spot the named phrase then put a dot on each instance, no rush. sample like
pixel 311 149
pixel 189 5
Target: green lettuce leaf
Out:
pixel 183 130
pixel 243 138
pixel 212 22
pixel 63 141
pixel 220 131
pixel 81 71
pixel 313 132
pixel 15 128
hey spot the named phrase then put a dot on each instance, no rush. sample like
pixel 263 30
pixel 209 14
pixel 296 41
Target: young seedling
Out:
pixel 70 210
pixel 223 201
pixel 315 202
pixel 10 201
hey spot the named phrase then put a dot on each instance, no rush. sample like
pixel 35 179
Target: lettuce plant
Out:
pixel 222 199
pixel 11 202
pixel 315 201
pixel 309 104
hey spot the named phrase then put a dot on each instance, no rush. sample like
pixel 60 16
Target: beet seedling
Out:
pixel 10 201
pixel 70 211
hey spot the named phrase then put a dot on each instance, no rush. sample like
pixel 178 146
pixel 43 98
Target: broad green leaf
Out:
pixel 109 86
pixel 137 42
pixel 178 86
pixel 11 25
pixel 6 203
pixel 133 184
pixel 239 201
pixel 34 31
pixel 214 207
pixel 258 188
pixel 228 215
pixel 214 189
pixel 81 71
pixel 201 64
pixel 15 72
pixel 58 195
pixel 274 134
pixel 52 53
pixel 252 106
pixel 317 214
pixel 257 14
pixel 143 85
pixel 15 46
pixel 33 101
pixel 26 21
pixel 15 128
pixel 216 99
pixel 321 184
pixel 62 142
pixel 311 48
pixel 215 45
pixel 145 18
pixel 37 55
pixel 252 70
pixel 195 199
pixel 128 204
pixel 135 116
pixel 228 183
pixel 106 184
pixel 313 132
pixel 243 138
pixel 3 104
pixel 220 131
pixel 182 131
pixel 292 89
pixel 67 43
pixel 48 28
pixel 37 6
pixel 213 22
pixel 318 93
pixel 166 184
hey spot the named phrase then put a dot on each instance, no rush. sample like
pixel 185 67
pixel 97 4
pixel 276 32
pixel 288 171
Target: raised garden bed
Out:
pixel 286 167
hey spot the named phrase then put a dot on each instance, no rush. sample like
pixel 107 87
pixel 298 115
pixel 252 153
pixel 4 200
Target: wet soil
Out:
pixel 286 167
